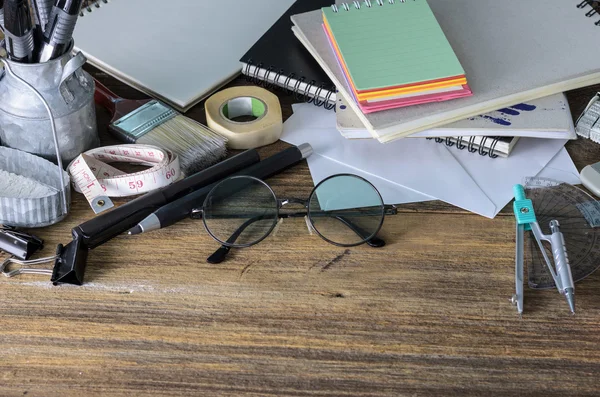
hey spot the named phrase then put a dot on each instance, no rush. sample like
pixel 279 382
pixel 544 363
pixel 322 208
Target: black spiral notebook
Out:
pixel 279 59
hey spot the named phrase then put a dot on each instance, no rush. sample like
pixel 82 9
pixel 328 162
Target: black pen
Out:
pixel 18 30
pixel 1 15
pixel 42 10
pixel 59 30
pixel 40 19
pixel 182 208
pixel 102 228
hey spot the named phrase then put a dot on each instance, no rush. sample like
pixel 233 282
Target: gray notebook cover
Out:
pixel 512 51
pixel 179 51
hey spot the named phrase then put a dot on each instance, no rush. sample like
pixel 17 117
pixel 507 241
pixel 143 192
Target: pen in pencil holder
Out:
pixel 68 91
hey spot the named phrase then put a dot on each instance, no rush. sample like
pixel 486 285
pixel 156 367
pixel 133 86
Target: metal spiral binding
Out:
pixel 595 6
pixel 328 103
pixel 481 150
pixel 88 9
pixel 296 89
pixel 255 78
pixel 289 78
pixel 251 78
pixel 492 153
pixel 270 77
pixel 266 83
pixel 358 5
pixel 470 145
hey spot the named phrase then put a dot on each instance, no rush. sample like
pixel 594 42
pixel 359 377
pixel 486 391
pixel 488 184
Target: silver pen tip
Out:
pixel 135 230
pixel 570 296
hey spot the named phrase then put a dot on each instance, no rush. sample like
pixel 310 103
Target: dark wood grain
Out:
pixel 428 315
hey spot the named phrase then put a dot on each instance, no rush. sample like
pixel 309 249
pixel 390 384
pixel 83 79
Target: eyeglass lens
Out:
pixel 240 211
pixel 346 210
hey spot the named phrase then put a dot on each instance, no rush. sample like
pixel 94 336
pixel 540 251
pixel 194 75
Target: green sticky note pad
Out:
pixel 390 45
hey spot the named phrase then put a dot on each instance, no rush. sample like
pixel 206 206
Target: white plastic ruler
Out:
pixel 92 175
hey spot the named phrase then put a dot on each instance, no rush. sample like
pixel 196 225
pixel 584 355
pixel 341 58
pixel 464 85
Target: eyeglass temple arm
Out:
pixel 374 241
pixel 220 254
pixel 390 209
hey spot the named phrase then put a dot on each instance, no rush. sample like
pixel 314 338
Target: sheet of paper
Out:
pixel 562 169
pixel 478 184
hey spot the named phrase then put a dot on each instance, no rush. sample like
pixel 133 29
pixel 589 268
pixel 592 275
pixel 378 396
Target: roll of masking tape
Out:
pixel 265 125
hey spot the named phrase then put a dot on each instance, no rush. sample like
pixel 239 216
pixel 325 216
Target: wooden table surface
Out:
pixel 429 314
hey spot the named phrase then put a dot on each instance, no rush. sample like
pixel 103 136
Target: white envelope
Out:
pixel 477 184
pixel 560 168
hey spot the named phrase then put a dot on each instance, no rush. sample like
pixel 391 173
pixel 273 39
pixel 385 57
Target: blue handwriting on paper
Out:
pixel 506 114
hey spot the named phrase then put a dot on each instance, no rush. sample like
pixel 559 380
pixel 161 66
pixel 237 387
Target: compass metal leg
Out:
pixel 519 269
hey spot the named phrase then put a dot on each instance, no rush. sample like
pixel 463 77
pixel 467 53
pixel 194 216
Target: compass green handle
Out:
pixel 522 207
pixel 519 192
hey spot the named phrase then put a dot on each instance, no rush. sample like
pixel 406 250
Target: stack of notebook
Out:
pixel 512 51
pixel 408 62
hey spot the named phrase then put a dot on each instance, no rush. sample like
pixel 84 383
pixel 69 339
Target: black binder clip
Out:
pixel 70 261
pixel 19 244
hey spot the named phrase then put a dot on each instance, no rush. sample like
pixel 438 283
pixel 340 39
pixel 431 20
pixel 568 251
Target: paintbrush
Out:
pixel 151 122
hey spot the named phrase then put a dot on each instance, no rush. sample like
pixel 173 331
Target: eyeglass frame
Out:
pixel 372 240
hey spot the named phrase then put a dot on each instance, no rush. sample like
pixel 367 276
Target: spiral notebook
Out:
pixel 512 51
pixel 410 63
pixel 278 59
pixel 178 51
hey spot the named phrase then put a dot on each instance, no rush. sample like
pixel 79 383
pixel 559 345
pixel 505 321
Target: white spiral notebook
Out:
pixel 178 51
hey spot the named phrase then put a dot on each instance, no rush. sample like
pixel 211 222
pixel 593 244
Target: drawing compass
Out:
pixel 565 217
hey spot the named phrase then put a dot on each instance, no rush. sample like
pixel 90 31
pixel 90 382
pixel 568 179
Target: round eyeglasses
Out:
pixel 345 210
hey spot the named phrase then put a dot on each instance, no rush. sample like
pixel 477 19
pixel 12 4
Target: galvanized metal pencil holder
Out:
pixel 68 91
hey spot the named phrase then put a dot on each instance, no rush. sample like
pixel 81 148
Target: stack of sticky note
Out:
pixel 394 54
